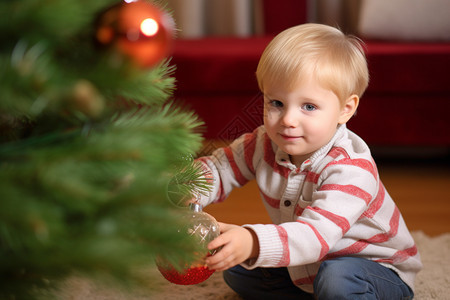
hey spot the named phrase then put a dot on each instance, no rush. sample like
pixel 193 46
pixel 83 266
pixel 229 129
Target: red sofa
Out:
pixel 407 102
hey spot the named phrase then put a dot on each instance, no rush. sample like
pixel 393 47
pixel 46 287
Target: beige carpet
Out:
pixel 433 282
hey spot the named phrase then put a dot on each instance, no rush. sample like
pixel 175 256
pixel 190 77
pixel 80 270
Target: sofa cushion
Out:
pixel 403 119
pixel 408 66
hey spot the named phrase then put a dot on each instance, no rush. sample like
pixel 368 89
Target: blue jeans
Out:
pixel 341 278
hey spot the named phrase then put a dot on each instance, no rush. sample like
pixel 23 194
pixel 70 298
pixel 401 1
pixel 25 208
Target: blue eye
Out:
pixel 309 107
pixel 276 103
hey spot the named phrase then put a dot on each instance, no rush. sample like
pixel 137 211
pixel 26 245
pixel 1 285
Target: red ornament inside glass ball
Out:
pixel 139 29
pixel 193 274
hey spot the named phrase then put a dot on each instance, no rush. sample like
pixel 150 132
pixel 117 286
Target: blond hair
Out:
pixel 336 60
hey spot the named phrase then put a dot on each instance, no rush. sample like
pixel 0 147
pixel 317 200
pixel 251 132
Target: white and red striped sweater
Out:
pixel 333 205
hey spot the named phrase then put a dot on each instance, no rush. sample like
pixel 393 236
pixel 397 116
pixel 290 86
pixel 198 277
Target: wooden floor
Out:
pixel 420 189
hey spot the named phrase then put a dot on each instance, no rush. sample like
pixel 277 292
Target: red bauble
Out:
pixel 193 274
pixel 139 30
pixel 204 228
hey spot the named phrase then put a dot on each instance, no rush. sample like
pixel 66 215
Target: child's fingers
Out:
pixel 223 238
pixel 225 227
pixel 212 261
pixel 218 242
pixel 221 260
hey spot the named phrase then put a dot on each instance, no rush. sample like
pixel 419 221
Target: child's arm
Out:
pixel 230 167
pixel 239 244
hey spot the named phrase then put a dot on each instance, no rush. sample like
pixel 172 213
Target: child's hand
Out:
pixel 239 244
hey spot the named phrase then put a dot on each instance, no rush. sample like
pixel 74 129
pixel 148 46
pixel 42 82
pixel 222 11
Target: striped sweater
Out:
pixel 333 205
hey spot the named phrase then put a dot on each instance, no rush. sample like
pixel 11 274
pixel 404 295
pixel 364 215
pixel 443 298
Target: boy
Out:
pixel 336 232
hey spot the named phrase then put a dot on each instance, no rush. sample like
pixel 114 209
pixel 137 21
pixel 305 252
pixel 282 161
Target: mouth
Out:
pixel 290 137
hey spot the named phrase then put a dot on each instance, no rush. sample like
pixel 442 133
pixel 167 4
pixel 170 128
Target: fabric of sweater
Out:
pixel 333 205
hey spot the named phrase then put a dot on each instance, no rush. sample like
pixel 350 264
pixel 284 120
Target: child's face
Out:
pixel 301 120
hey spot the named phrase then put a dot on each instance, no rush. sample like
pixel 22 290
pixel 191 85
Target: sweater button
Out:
pixel 287 203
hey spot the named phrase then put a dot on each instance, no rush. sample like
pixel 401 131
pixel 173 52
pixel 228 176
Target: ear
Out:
pixel 350 106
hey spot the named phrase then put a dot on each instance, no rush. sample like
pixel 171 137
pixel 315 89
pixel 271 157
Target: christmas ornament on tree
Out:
pixel 139 30
pixel 204 228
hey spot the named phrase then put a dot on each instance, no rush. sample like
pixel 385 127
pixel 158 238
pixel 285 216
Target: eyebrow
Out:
pixel 308 99
pixel 304 99
pixel 269 96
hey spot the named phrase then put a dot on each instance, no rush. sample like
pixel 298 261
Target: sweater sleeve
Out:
pixel 230 167
pixel 343 193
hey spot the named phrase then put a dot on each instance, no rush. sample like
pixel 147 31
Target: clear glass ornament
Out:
pixel 204 228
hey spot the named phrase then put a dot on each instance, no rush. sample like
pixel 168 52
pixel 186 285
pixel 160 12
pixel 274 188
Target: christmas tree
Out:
pixel 90 141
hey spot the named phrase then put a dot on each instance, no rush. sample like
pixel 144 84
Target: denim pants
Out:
pixel 344 278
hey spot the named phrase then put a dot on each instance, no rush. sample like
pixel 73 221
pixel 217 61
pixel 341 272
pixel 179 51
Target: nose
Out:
pixel 290 118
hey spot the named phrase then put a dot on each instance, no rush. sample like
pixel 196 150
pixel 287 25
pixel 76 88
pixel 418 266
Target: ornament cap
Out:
pixel 195 206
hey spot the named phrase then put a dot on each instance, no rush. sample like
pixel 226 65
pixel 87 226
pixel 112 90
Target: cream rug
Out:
pixel 433 282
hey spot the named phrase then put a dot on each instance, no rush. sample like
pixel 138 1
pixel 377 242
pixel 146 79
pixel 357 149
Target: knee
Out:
pixel 238 280
pixel 231 278
pixel 339 279
pixel 328 279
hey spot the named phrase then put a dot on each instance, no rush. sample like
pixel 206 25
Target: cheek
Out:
pixel 271 115
pixel 270 123
pixel 316 127
pixel 321 131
